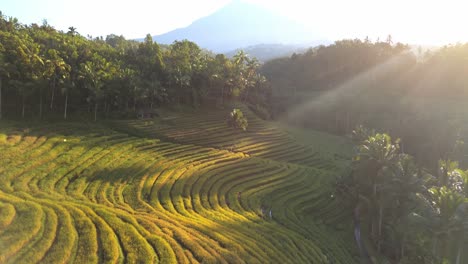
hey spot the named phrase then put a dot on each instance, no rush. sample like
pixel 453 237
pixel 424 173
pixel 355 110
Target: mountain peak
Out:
pixel 240 24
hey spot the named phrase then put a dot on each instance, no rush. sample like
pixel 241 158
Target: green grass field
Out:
pixel 182 188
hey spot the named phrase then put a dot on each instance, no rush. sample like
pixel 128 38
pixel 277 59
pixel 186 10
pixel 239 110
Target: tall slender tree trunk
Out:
pixel 402 249
pixel 109 105
pixel 357 236
pixel 222 96
pixel 105 107
pixel 246 94
pixel 379 243
pixel 152 94
pixel 178 94
pixel 194 98
pixel 374 224
pixel 434 246
pixel 66 106
pixel 40 103
pixel 444 253
pixel 22 111
pixel 0 98
pixel 95 111
pixel 459 253
pixel 53 94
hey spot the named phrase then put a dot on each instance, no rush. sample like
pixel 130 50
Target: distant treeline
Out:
pixel 46 72
pixel 418 96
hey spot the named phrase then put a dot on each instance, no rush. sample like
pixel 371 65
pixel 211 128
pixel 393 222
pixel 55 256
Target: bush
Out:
pixel 236 119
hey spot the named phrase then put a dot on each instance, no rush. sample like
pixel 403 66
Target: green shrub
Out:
pixel 236 119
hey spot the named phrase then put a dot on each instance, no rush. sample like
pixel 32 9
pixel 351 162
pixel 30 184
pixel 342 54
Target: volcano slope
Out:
pixel 179 189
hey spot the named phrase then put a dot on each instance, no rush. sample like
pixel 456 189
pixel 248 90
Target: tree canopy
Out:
pixel 69 72
pixel 408 214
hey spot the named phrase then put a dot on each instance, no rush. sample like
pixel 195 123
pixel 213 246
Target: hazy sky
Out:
pixel 413 21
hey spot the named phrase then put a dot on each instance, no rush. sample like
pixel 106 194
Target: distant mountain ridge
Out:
pixel 266 52
pixel 239 25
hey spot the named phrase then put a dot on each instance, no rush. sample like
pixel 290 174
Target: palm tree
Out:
pixel 240 58
pixel 239 71
pixel 250 76
pixel 59 72
pixel 375 156
pixel 221 73
pixel 29 63
pixel 402 182
pixel 72 31
pixel 450 199
pixel 448 222
pixel 95 72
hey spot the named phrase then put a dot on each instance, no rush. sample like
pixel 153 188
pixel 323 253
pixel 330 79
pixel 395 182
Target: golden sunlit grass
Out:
pixel 93 195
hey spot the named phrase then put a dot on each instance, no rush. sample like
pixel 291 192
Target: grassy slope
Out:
pixel 167 190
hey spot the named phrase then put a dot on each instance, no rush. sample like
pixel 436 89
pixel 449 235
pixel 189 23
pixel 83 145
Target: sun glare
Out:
pixel 419 22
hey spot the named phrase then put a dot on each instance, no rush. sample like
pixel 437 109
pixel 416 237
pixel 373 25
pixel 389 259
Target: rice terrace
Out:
pixel 88 194
pixel 235 131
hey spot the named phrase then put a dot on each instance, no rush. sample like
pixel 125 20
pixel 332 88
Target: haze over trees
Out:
pixel 419 98
pixel 410 210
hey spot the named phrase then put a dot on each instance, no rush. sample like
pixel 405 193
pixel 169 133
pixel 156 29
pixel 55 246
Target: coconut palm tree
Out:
pixel 449 199
pixel 59 71
pixel 95 73
pixel 401 184
pixel 72 31
pixel 376 154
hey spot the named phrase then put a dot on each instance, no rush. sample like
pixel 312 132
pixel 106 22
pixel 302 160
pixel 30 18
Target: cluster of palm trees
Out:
pixel 40 66
pixel 403 212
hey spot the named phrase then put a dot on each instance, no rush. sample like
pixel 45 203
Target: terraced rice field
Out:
pixel 208 129
pixel 186 191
